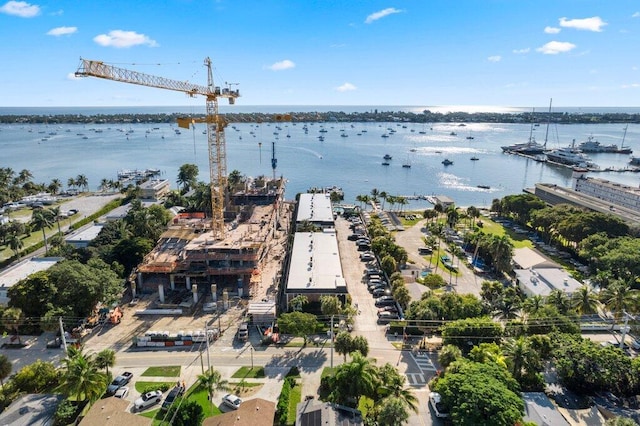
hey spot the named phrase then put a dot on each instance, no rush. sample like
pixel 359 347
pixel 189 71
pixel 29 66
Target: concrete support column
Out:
pixel 214 293
pixel 140 280
pixel 172 281
pixel 188 282
pixel 194 290
pixel 161 292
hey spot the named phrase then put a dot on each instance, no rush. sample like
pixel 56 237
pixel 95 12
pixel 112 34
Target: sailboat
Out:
pixel 531 147
pixel 407 164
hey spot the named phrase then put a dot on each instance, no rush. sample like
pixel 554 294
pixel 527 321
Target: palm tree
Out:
pixel 383 196
pixel 23 177
pixel 560 300
pixel 104 184
pixel 55 214
pixel 54 186
pixel 501 249
pixel 15 244
pixel 374 195
pixel 5 368
pixel 82 182
pixel 533 304
pixel 619 297
pixel 213 382
pixel 71 183
pixel 12 319
pixel 392 385
pixel 41 219
pixel 81 378
pixel 298 302
pixel 353 380
pixel 106 358
pixel 585 301
pixel 521 359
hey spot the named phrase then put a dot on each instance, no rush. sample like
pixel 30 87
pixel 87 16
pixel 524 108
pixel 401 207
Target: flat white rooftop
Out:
pixel 84 235
pixel 543 281
pixel 314 208
pixel 22 270
pixel 315 264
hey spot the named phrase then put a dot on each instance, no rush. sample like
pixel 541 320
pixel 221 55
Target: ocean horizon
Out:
pixel 279 109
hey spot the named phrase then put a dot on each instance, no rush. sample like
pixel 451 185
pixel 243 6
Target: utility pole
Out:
pixel 64 341
pixel 251 349
pixel 206 338
pixel 624 329
pixel 331 336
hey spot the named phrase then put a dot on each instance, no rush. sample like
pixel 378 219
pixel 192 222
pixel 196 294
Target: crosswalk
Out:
pixel 427 369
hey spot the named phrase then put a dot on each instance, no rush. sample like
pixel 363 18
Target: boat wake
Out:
pixel 310 151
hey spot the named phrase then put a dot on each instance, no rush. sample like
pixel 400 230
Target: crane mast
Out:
pixel 215 123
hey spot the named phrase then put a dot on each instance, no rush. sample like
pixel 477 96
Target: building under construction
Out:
pixel 189 265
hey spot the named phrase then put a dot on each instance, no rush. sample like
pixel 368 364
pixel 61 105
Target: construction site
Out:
pixel 207 264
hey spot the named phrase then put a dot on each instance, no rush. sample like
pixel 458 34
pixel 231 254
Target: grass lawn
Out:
pixel 142 385
pixel 294 398
pixel 201 396
pixel 170 371
pixel 492 228
pixel 249 373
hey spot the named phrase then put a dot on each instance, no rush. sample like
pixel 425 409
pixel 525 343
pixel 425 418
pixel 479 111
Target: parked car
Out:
pixel 390 308
pixel 424 250
pixel 385 301
pixel 171 396
pixel 385 317
pixel 435 400
pixel 367 256
pixel 364 247
pixel 122 392
pixel 231 401
pixel 147 400
pixel 375 286
pixel 381 291
pixel 118 382
pixel 353 237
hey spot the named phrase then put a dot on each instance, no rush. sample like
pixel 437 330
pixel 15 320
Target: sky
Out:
pixel 581 53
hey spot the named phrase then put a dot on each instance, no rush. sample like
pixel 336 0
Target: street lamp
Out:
pixel 251 349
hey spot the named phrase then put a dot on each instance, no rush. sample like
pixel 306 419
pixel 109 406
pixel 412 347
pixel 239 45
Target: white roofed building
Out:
pixel 542 281
pixel 315 209
pixel 14 274
pixel 82 238
pixel 315 269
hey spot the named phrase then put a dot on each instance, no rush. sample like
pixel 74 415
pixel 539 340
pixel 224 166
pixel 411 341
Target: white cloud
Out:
pixel 62 31
pixel 381 14
pixel 555 47
pixel 521 51
pixel 282 65
pixel 21 9
pixel 346 87
pixel 631 86
pixel 494 58
pixel 551 30
pixel 123 39
pixel 589 24
pixel 634 68
pixel 636 15
pixel 72 76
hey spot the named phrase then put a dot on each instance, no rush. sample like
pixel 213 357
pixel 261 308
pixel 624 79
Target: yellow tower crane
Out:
pixel 215 123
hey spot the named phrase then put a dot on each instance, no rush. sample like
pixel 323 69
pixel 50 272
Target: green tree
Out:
pixel 402 296
pixel 12 319
pixel 392 384
pixel 37 377
pixel 522 360
pixel 212 381
pixel 389 264
pixel 469 332
pixel 360 344
pixel 480 394
pixel 353 380
pixel 298 302
pixel 81 378
pixel 15 244
pixel 82 182
pixel 448 354
pixel 189 413
pixel 343 344
pixel 187 177
pixel 41 219
pixel 620 297
pixel 585 301
pixel 392 412
pixel 299 324
pixel 106 358
pixel 330 305
pixel 5 368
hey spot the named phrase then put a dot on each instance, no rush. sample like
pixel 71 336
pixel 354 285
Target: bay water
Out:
pixel 350 156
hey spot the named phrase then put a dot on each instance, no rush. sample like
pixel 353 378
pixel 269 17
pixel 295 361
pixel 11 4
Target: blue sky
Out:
pixel 324 52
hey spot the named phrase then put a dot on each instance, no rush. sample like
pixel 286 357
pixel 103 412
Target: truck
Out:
pixel 243 332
